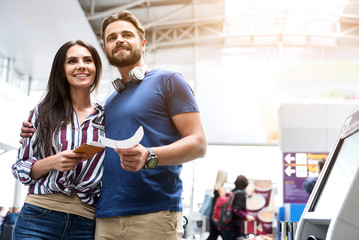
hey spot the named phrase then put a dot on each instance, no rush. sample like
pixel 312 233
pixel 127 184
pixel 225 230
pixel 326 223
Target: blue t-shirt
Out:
pixel 151 103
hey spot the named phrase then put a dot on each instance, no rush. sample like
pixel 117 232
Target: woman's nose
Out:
pixel 81 66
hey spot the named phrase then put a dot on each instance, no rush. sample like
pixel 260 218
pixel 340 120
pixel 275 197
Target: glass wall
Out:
pixel 13 77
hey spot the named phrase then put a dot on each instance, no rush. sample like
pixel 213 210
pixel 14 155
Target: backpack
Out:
pixel 222 211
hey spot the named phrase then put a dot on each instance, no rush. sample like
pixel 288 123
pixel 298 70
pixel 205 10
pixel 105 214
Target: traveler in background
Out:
pixel 11 216
pixel 8 223
pixel 2 216
pixel 63 187
pixel 219 190
pixel 239 211
pixel 310 182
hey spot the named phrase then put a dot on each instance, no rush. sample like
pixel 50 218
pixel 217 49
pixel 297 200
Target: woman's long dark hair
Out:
pixel 56 109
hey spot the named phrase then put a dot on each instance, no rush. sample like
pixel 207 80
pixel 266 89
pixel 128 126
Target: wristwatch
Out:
pixel 152 160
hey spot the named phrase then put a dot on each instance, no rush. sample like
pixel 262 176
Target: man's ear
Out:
pixel 143 47
pixel 144 43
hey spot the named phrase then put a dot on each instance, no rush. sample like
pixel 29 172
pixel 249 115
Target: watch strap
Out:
pixel 151 157
pixel 151 152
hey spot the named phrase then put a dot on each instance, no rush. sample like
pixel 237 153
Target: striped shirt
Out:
pixel 84 179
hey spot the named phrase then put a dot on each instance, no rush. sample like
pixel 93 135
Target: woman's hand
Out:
pixel 250 218
pixel 62 162
pixel 66 160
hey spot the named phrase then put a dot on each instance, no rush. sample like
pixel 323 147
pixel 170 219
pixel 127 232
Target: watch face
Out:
pixel 152 163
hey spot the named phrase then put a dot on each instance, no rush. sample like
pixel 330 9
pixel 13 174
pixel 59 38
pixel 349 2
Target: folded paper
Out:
pixel 91 148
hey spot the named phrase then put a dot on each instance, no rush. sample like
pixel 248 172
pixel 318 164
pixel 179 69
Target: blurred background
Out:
pixel 272 78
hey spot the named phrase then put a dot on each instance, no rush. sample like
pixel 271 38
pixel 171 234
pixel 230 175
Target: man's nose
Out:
pixel 119 39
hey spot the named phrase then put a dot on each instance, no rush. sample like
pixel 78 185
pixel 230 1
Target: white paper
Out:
pixel 97 144
pixel 128 143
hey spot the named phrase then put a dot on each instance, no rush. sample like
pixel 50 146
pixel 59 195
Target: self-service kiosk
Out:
pixel 332 211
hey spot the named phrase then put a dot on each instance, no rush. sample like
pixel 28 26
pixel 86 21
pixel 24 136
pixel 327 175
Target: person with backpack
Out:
pixel 218 191
pixel 234 227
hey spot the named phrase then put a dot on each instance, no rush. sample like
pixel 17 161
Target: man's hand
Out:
pixel 26 131
pixel 133 159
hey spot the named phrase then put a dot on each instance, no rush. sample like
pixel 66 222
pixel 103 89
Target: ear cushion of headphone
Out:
pixel 138 73
pixel 119 85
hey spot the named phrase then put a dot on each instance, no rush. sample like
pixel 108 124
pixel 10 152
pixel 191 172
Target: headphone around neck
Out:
pixel 136 75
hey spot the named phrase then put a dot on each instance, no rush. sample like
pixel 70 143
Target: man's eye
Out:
pixel 111 38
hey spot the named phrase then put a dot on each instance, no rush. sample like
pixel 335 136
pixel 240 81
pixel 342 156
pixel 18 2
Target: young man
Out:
pixel 141 187
pixel 140 200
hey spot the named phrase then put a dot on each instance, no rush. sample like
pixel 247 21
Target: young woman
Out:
pixel 219 190
pixel 63 187
pixel 235 230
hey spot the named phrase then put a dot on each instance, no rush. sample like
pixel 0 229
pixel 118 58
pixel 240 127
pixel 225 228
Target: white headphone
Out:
pixel 136 75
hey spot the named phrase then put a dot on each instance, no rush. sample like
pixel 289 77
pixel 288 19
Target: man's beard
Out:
pixel 128 60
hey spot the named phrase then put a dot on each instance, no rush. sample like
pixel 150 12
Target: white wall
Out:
pixel 312 126
pixel 15 108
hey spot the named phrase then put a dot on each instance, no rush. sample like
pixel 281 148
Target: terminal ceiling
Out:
pixel 31 31
pixel 177 23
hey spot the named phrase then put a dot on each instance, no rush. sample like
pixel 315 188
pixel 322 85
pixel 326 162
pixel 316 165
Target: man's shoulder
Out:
pixel 163 72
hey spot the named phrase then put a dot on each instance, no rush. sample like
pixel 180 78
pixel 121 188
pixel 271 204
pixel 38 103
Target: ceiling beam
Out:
pixel 114 10
pixel 286 24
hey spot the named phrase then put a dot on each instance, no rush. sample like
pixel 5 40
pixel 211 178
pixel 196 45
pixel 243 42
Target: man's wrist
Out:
pixel 152 160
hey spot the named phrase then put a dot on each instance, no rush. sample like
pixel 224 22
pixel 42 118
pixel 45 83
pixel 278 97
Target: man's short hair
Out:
pixel 124 15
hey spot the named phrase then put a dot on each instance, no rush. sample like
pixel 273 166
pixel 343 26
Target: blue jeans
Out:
pixel 39 223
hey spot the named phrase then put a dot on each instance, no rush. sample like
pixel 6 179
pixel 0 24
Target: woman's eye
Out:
pixel 72 61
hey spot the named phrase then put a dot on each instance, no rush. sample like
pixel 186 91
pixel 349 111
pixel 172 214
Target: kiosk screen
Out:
pixel 337 177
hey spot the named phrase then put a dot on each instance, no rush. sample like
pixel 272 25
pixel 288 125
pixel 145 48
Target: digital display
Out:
pixel 338 176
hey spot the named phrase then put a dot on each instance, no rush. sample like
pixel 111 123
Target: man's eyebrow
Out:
pixel 112 33
pixel 122 32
